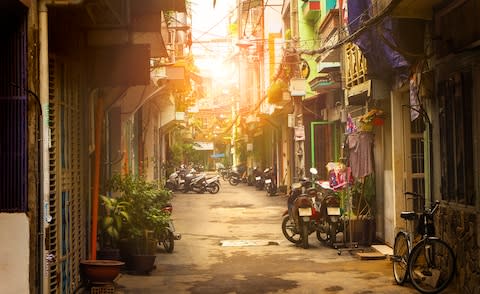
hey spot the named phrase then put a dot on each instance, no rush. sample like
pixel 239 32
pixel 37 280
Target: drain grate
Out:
pixel 245 243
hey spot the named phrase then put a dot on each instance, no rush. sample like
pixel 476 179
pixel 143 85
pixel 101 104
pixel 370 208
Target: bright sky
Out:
pixel 209 22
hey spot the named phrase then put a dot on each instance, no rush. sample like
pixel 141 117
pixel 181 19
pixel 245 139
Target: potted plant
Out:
pixel 145 218
pixel 362 216
pixel 114 216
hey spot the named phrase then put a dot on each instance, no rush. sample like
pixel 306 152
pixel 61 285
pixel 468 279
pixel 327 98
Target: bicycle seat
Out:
pixel 408 215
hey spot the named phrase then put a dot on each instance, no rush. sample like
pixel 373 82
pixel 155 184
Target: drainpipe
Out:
pixel 44 134
pixel 99 115
pixel 44 129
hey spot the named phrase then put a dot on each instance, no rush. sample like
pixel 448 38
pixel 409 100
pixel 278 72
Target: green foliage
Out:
pixel 182 151
pixel 145 202
pixel 275 92
pixel 114 216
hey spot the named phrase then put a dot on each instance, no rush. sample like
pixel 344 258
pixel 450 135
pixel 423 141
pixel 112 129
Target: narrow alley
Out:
pixel 255 257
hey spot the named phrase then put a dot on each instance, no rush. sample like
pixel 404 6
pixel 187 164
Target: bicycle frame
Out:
pixel 431 262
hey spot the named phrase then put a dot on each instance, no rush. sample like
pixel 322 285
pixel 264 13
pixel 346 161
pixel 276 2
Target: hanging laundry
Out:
pixel 360 146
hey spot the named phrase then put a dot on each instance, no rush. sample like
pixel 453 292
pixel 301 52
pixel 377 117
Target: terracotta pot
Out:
pixel 142 264
pixel 100 271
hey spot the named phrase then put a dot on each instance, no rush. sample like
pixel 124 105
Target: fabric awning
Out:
pixel 203 146
pixel 140 7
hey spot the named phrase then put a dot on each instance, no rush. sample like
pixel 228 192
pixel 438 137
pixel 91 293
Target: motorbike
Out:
pixel 237 175
pixel 269 183
pixel 259 180
pixel 176 180
pixel 172 182
pixel 167 235
pixel 212 185
pixel 310 211
pixel 225 173
pixel 194 182
pixel 329 214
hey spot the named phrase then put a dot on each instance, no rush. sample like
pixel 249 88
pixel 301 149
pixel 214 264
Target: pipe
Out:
pixel 44 131
pixel 99 114
pixel 62 3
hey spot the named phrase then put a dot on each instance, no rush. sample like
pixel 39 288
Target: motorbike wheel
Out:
pixel 170 186
pixel 332 233
pixel 168 243
pixel 289 230
pixel 322 235
pixel 304 235
pixel 233 181
pixel 213 188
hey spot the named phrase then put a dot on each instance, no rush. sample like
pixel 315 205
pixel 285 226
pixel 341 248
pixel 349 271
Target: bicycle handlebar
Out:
pixel 416 195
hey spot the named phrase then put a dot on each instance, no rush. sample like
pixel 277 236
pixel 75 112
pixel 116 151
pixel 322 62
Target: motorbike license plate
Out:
pixel 305 211
pixel 258 178
pixel 268 181
pixel 333 210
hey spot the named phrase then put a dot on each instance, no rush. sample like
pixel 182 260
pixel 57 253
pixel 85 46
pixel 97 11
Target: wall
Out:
pixel 14 252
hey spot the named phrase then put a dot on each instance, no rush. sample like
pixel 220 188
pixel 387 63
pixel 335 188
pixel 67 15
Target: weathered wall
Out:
pixel 14 253
pixel 458 227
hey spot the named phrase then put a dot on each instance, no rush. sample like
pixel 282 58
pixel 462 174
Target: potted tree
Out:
pixel 145 219
pixel 114 216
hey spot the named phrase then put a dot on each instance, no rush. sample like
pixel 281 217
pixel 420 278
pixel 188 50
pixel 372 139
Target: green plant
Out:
pixel 111 221
pixel 145 209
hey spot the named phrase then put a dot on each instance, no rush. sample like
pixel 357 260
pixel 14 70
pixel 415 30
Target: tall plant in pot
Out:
pixel 111 221
pixel 146 218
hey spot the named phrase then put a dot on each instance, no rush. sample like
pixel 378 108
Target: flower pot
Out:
pixel 100 271
pixel 142 264
pixel 363 231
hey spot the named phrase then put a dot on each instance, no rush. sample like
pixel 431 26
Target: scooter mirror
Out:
pixel 313 171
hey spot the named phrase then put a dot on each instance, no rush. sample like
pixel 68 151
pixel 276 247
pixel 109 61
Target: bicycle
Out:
pixel 430 264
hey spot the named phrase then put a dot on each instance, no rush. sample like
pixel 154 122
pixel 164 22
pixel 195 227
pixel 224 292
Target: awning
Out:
pixel 415 9
pixel 203 146
pixel 328 67
pixel 140 7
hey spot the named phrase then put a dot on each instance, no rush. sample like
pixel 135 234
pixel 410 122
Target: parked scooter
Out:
pixel 194 182
pixel 297 218
pixel 259 180
pixel 329 211
pixel 212 185
pixel 167 236
pixel 238 175
pixel 309 211
pixel 270 183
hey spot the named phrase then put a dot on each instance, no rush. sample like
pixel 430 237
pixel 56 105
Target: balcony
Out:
pixel 328 33
pixel 311 10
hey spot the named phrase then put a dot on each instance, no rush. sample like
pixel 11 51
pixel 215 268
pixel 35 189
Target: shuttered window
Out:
pixel 456 135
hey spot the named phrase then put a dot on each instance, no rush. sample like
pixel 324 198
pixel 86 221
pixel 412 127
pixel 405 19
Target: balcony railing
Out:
pixel 355 66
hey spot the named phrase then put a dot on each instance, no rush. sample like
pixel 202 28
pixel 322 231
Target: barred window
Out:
pixel 13 114
pixel 456 138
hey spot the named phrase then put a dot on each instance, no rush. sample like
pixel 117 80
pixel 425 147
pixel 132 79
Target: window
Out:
pixel 456 138
pixel 417 152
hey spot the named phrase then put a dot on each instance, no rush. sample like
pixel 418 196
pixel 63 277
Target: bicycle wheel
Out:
pixel 431 265
pixel 401 248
